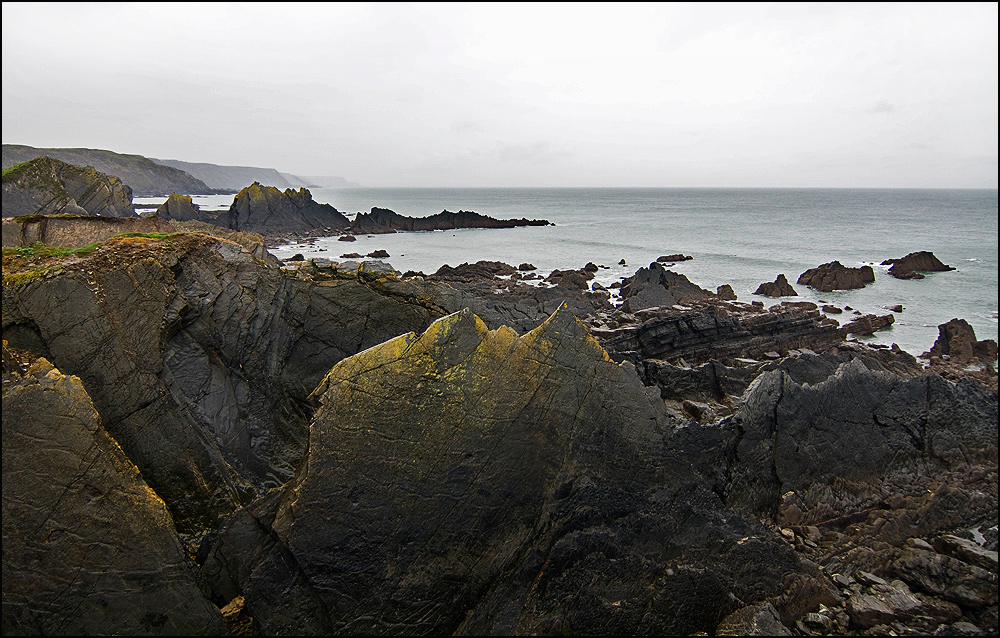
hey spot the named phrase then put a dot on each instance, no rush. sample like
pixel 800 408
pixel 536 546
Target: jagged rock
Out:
pixel 836 276
pixel 268 211
pixel 957 340
pixel 479 271
pixel 967 551
pixel 868 324
pixel 460 482
pixel 912 265
pixel 885 604
pixel 725 292
pixel 948 577
pixel 778 288
pixel 755 620
pixel 70 231
pixel 88 548
pixel 526 267
pixel 46 186
pixel 383 220
pixel 199 358
pixel 181 208
pixel 656 286
pixel 571 278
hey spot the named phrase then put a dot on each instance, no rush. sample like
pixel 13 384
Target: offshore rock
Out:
pixel 181 208
pixel 778 288
pixel 912 265
pixel 88 547
pixel 868 324
pixel 476 482
pixel 836 276
pixel 957 340
pixel 45 186
pixel 268 211
pixel 383 220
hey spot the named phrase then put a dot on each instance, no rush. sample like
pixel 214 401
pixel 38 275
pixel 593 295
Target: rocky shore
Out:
pixel 201 440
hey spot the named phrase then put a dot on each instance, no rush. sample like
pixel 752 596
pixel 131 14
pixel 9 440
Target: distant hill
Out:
pixel 145 177
pixel 238 177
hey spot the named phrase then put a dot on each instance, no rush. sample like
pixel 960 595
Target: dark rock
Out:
pixel 46 186
pixel 570 278
pixel 883 606
pixel 725 293
pixel 347 238
pixel 868 324
pixel 656 286
pixel 909 267
pixel 181 208
pixel 675 257
pixel 526 267
pixel 479 271
pixel 950 578
pixel 836 276
pixel 957 340
pixel 88 548
pixel 383 220
pixel 509 475
pixel 967 551
pixel 621 263
pixel 378 254
pixel 351 256
pixel 755 620
pixel 297 257
pixel 591 267
pixel 778 288
pixel 266 210
pixel 896 308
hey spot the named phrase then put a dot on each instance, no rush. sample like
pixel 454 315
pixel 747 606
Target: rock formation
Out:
pixel 657 286
pixel 957 343
pixel 868 324
pixel 778 288
pixel 181 208
pixel 45 186
pixel 70 231
pixel 383 220
pixel 336 453
pixel 145 177
pixel 836 276
pixel 268 211
pixel 88 547
pixel 912 265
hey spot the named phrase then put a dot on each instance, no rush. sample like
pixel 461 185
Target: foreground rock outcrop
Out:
pixel 46 186
pixel 328 448
pixel 383 220
pixel 73 231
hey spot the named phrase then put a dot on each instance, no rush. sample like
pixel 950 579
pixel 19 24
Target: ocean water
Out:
pixel 741 237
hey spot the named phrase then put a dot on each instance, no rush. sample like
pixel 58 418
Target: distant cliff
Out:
pixel 232 177
pixel 145 177
pixel 45 186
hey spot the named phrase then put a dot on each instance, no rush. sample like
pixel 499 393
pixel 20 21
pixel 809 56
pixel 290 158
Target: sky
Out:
pixel 451 95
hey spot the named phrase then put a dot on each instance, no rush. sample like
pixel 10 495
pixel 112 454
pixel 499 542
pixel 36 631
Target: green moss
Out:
pixel 37 249
pixel 27 276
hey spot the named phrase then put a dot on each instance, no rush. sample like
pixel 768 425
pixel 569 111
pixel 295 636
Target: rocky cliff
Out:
pixel 45 186
pixel 322 448
pixel 268 211
pixel 145 177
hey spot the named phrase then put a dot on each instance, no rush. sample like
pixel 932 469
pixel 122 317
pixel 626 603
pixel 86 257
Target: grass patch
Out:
pixel 37 250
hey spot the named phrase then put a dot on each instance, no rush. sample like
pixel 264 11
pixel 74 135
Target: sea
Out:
pixel 737 236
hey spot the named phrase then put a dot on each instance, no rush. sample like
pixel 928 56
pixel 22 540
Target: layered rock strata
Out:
pixel 46 186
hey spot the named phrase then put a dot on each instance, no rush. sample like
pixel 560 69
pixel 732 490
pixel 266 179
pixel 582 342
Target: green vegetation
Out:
pixel 37 250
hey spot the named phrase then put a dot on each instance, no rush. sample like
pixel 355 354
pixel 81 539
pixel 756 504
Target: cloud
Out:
pixel 882 108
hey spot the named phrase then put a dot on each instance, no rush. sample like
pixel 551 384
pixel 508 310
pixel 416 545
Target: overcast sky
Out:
pixel 845 95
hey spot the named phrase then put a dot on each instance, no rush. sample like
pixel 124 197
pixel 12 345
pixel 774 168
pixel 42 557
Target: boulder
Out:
pixel 836 276
pixel 912 265
pixel 46 186
pixel 868 324
pixel 268 211
pixel 778 288
pixel 725 292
